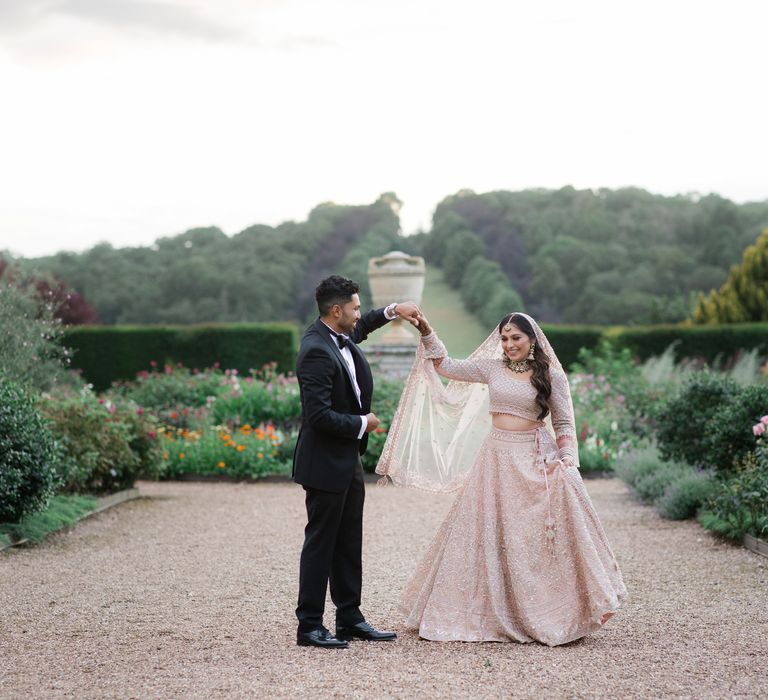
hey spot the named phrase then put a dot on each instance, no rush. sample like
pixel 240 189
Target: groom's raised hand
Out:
pixel 409 310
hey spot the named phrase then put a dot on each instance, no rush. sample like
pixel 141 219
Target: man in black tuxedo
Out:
pixel 336 389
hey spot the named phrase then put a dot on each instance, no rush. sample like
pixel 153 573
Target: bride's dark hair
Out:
pixel 540 362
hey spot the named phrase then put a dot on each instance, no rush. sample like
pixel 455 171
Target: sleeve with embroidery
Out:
pixel 462 370
pixel 563 421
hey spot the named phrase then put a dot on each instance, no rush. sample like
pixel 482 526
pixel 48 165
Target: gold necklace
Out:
pixel 519 366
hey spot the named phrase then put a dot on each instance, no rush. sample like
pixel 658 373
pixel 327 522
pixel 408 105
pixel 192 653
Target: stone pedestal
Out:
pixel 389 360
pixel 394 277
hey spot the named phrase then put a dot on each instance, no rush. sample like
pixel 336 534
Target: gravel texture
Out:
pixel 190 593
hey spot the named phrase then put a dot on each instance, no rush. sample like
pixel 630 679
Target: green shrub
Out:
pixel 729 438
pixel 685 419
pixel 109 353
pixel 594 460
pixel 172 387
pixel 676 489
pixel 684 497
pixel 261 398
pixel 652 485
pixel 739 503
pixel 29 456
pixel 106 446
pixel 31 353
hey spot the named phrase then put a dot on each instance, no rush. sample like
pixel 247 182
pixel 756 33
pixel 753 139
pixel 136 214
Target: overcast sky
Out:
pixel 128 120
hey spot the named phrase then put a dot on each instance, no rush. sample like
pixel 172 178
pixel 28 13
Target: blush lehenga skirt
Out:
pixel 521 556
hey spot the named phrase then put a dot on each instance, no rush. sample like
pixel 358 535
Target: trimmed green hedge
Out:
pixel 568 340
pixel 708 343
pixel 108 353
pixel 704 342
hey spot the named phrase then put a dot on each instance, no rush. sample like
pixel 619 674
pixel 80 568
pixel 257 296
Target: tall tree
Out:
pixel 744 296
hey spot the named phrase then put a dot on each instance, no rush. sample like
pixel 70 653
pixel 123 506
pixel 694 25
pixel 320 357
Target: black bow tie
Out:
pixel 342 340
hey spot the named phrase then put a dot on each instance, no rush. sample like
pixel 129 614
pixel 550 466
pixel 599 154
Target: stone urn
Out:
pixel 395 277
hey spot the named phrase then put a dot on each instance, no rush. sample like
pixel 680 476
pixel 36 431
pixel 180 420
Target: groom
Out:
pixel 336 388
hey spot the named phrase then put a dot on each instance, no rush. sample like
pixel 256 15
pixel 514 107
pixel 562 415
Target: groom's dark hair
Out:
pixel 334 290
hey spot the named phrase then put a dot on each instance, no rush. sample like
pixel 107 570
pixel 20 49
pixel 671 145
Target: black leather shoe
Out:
pixel 362 630
pixel 319 637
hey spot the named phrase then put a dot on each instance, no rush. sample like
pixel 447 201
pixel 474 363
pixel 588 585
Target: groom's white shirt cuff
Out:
pixel 389 312
pixel 362 430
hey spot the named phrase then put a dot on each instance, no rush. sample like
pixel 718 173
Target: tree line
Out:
pixel 573 256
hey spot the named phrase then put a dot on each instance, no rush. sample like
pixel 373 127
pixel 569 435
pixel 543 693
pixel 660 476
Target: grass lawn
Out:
pixel 459 330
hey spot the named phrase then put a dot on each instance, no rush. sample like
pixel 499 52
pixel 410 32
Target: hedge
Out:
pixel 108 353
pixel 568 340
pixel 708 343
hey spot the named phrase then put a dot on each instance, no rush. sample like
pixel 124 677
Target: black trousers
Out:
pixel 332 553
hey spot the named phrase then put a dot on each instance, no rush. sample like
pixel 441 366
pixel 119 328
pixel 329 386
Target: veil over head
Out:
pixel 437 429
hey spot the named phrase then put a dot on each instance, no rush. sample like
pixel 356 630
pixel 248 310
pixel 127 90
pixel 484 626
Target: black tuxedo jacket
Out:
pixel 328 450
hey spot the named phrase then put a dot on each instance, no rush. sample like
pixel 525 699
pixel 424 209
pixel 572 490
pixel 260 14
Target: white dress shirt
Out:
pixel 346 353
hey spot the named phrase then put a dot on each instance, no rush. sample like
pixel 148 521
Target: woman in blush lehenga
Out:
pixel 521 556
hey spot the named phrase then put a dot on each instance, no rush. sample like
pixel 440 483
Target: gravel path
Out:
pixel 190 593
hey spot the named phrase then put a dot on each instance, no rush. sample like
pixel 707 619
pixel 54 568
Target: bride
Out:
pixel 521 556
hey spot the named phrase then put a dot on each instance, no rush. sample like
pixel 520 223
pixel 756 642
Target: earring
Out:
pixel 530 352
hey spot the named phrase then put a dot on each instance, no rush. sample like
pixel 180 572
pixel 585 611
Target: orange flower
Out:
pixel 220 465
pixel 240 448
pixel 261 455
pixel 181 455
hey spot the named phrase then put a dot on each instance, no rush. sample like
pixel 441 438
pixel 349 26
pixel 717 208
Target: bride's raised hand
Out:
pixel 424 327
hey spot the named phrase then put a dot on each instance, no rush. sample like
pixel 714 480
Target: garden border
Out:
pixel 756 545
pixel 103 503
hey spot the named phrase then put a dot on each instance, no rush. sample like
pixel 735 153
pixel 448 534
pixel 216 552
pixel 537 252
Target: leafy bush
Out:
pixel 676 489
pixel 29 457
pixel 263 397
pixel 727 441
pixel 685 419
pixel 106 446
pixel 684 497
pixel 171 388
pixel 739 506
pixel 30 339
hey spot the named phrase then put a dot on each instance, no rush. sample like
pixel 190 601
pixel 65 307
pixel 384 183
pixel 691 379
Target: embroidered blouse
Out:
pixel 508 395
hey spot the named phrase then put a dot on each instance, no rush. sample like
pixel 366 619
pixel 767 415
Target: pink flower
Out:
pixel 764 420
pixel 153 363
pixel 139 411
pixel 151 434
pixel 758 429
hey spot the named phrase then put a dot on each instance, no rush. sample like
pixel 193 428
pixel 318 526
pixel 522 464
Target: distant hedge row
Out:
pixel 703 342
pixel 107 353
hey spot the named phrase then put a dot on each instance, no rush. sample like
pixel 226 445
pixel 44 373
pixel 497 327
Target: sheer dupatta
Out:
pixel 437 429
